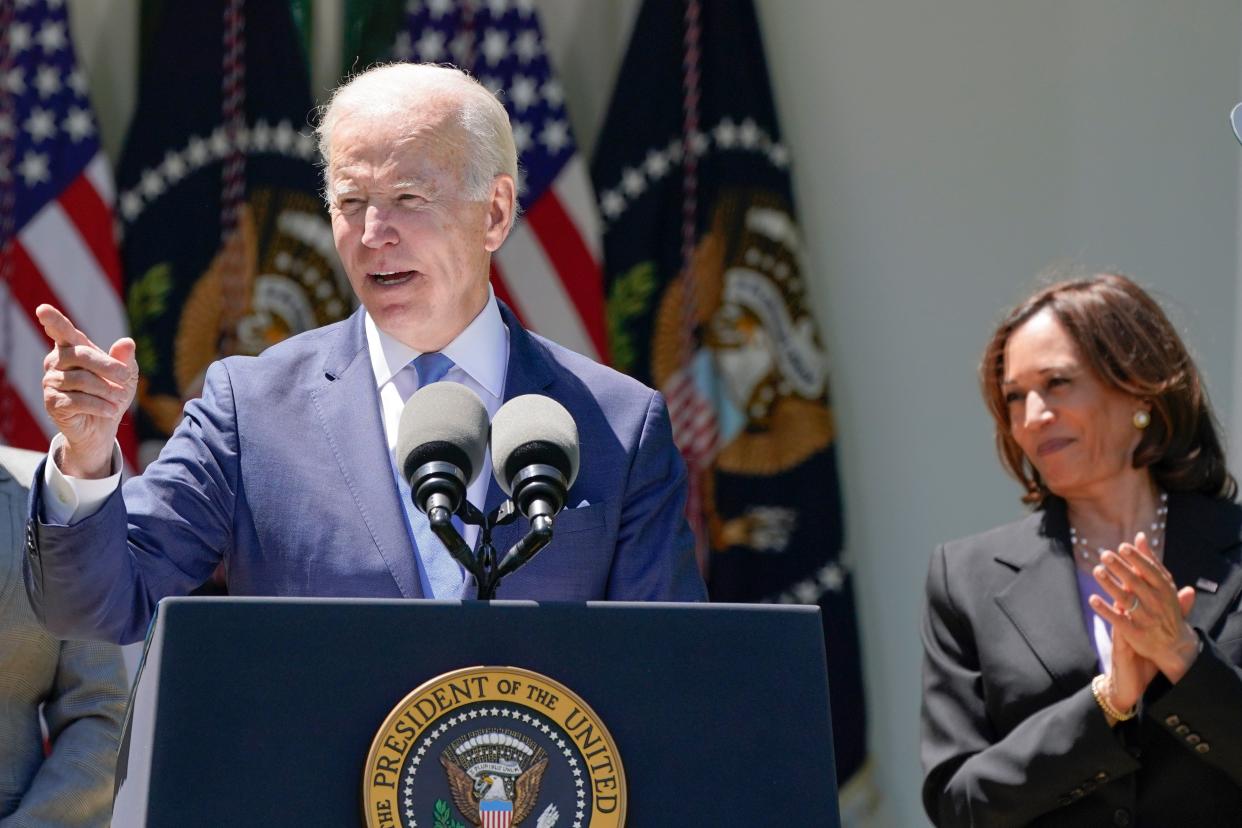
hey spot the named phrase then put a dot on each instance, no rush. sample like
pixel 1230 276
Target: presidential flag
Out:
pixel 548 270
pixel 56 194
pixel 227 247
pixel 707 301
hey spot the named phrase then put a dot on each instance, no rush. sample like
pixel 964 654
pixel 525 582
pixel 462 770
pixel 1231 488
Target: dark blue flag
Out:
pixel 707 301
pixel 227 247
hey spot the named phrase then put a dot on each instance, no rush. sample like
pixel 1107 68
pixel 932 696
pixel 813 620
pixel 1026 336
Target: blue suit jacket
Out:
pixel 281 471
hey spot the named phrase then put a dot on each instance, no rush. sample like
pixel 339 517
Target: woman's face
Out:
pixel 1077 432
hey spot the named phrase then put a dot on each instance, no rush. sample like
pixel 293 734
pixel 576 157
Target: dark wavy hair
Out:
pixel 1132 347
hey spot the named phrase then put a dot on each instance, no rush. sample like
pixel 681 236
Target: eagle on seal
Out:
pixel 467 793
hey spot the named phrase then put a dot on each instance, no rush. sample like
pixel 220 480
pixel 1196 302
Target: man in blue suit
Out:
pixel 284 469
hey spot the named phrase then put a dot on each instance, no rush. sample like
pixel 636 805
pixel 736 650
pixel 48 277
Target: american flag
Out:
pixel 548 270
pixel 56 192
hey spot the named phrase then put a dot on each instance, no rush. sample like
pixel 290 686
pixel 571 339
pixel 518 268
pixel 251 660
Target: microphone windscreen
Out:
pixel 533 429
pixel 446 422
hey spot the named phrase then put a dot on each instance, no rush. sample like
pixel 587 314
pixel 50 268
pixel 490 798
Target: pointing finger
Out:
pixel 59 329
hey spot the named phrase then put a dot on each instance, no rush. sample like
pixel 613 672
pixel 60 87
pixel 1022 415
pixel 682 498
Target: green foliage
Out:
pixel 444 816
pixel 629 298
pixel 303 21
pixel 370 28
pixel 148 300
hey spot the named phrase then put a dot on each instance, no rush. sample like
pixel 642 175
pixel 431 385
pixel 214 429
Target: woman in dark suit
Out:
pixel 1082 665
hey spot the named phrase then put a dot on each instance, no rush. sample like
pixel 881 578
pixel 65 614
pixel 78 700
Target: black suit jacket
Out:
pixel 1011 734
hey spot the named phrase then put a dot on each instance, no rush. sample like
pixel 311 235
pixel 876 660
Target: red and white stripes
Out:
pixel 233 110
pixel 541 271
pixel 692 415
pixel 64 256
pixel 8 406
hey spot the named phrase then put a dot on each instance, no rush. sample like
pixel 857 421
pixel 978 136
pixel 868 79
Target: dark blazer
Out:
pixel 1011 734
pixel 281 470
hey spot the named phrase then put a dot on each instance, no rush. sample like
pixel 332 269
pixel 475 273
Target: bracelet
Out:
pixel 1097 690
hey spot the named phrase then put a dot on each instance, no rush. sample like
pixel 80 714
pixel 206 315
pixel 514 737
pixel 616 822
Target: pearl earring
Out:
pixel 1141 419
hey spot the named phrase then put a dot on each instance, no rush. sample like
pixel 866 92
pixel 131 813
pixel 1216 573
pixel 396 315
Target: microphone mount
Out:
pixel 535 453
pixel 483 565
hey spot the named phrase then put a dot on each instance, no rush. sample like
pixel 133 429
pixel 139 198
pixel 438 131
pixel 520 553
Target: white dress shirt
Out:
pixel 480 357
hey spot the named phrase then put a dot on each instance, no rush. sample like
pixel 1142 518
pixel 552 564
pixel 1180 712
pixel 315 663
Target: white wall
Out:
pixel 944 152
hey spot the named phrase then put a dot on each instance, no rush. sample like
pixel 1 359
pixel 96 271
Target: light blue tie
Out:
pixel 444 574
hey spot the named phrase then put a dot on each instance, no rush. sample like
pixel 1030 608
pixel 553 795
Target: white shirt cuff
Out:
pixel 71 499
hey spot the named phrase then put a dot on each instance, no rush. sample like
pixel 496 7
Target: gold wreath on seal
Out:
pixel 437 698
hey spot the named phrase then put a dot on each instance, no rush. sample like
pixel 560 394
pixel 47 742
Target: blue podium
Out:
pixel 258 712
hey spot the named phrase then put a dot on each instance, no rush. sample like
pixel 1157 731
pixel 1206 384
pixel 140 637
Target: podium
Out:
pixel 257 712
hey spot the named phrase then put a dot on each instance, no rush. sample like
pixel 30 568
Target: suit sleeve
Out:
pixel 654 559
pixel 1203 711
pixel 161 534
pixel 84 714
pixel 974 775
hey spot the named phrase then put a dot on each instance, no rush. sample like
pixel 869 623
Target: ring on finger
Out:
pixel 1134 605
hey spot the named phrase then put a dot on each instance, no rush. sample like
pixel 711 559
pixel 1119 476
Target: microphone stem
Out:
pixel 441 520
pixel 539 536
pixel 486 569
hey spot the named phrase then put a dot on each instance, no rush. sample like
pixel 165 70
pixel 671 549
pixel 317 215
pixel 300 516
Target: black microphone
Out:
pixel 535 454
pixel 535 460
pixel 441 442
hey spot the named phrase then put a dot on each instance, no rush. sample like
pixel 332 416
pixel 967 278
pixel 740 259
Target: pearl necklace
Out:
pixel 1083 547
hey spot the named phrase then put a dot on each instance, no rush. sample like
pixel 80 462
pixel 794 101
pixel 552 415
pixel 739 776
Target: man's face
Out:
pixel 416 251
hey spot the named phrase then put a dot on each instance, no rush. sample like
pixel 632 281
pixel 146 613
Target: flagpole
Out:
pixel 691 96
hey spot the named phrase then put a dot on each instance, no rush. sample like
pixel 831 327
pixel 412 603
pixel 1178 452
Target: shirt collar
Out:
pixel 481 350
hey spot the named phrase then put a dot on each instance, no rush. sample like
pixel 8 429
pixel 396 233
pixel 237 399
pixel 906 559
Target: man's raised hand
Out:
pixel 86 391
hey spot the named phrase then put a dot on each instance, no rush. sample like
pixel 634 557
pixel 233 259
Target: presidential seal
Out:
pixel 757 358
pixel 493 747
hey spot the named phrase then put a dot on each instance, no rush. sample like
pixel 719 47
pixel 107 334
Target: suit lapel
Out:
pixel 347 405
pixel 1200 529
pixel 1042 599
pixel 1042 602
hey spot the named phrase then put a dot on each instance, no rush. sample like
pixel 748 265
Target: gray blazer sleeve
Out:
pixel 81 686
pixel 84 713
